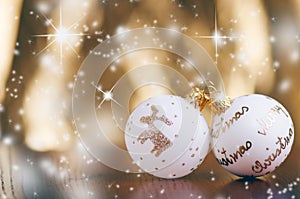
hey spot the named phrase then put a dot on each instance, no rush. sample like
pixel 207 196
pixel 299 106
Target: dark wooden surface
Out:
pixel 75 174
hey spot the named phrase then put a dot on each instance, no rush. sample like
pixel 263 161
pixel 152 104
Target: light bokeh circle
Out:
pixel 89 129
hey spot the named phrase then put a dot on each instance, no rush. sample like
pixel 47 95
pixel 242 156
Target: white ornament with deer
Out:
pixel 167 136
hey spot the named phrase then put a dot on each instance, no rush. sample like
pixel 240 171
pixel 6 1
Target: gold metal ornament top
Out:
pixel 201 98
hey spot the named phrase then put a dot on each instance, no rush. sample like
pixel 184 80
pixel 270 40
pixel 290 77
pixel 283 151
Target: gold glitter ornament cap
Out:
pixel 201 98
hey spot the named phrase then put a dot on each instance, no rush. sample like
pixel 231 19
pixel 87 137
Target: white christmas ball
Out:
pixel 254 135
pixel 167 136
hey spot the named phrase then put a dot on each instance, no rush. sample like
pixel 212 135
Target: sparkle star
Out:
pixel 106 95
pixel 216 37
pixel 60 36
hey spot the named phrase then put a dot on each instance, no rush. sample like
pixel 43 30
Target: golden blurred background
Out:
pixel 256 46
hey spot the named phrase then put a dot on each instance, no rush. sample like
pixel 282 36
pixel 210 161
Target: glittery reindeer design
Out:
pixel 160 141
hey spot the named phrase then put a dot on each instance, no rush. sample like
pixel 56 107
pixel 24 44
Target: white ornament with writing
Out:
pixel 254 135
pixel 167 136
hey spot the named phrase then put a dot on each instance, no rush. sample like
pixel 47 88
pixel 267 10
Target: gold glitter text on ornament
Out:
pixel 233 158
pixel 268 121
pixel 219 126
pixel 160 141
pixel 282 143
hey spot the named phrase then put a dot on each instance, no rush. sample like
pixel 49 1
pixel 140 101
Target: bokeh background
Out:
pixel 255 44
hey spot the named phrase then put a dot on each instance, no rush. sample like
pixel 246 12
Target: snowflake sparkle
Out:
pixel 217 37
pixel 106 95
pixel 60 36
